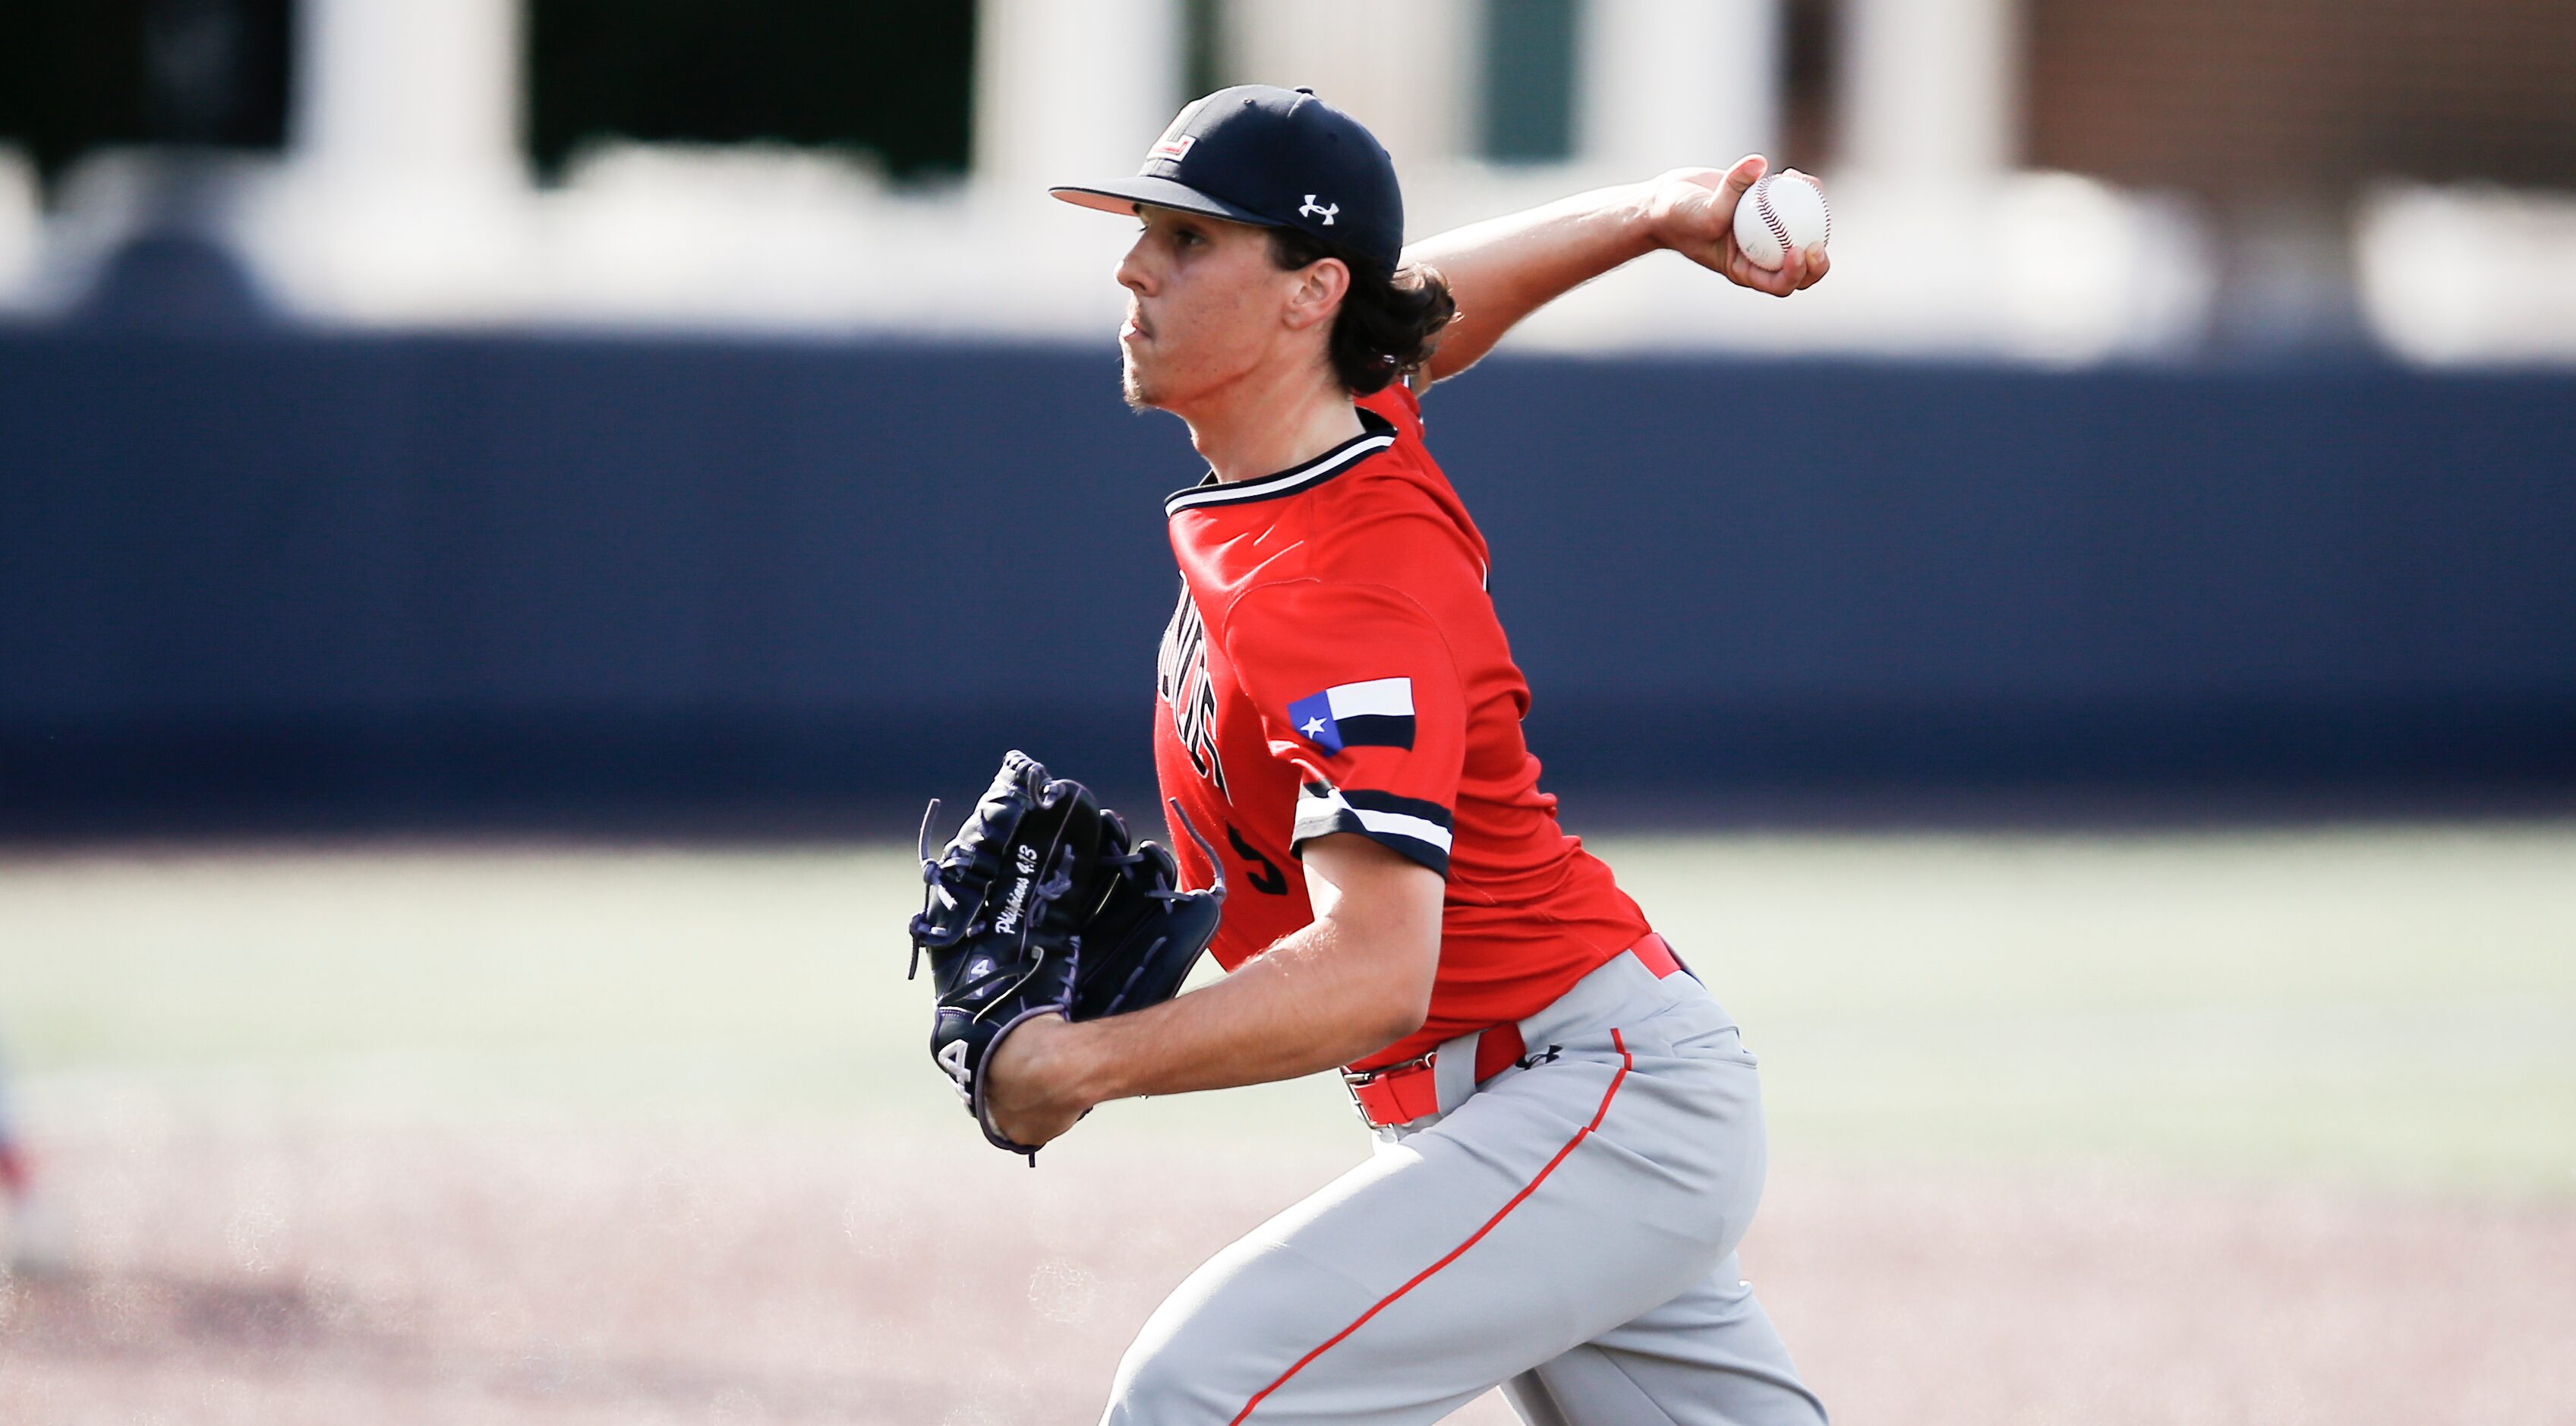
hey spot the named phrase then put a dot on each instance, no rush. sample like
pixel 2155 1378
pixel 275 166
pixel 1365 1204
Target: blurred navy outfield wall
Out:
pixel 327 582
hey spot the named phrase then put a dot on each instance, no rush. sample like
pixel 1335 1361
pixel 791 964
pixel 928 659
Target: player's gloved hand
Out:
pixel 1033 1092
pixel 1692 211
pixel 1041 906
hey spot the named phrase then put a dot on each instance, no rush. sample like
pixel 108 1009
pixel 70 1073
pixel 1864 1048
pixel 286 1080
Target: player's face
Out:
pixel 1206 307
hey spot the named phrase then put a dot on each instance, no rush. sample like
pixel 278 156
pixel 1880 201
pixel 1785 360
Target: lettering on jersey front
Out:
pixel 1183 682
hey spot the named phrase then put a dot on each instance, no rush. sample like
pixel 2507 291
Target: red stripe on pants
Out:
pixel 1454 1253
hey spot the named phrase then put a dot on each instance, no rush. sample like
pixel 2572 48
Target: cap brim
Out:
pixel 1121 195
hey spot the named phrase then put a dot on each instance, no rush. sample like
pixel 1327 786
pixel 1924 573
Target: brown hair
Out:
pixel 1388 324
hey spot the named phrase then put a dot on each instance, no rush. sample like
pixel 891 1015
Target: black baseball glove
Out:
pixel 1041 905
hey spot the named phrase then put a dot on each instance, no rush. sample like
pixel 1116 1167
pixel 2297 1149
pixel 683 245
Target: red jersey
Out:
pixel 1335 665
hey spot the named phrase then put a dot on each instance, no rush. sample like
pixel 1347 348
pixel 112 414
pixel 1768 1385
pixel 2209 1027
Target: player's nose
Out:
pixel 1131 272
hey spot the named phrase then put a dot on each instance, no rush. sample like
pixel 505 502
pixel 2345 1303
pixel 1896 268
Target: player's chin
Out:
pixel 1137 388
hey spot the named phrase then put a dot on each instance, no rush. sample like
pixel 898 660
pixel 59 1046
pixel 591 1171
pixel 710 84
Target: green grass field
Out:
pixel 2390 1007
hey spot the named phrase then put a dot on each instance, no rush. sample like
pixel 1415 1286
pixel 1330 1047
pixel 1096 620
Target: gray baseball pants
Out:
pixel 1566 1230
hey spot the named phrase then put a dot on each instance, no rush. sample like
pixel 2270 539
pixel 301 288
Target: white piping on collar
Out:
pixel 1285 482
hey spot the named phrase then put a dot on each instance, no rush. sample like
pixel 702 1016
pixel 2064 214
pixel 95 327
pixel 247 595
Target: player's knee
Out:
pixel 1154 1389
pixel 1156 1385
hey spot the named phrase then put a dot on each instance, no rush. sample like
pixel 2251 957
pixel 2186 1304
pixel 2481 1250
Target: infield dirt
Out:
pixel 538 1276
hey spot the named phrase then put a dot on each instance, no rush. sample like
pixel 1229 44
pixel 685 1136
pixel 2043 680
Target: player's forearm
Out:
pixel 1309 1003
pixel 1503 269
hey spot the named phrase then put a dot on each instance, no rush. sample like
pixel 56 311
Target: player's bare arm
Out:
pixel 1503 269
pixel 1355 981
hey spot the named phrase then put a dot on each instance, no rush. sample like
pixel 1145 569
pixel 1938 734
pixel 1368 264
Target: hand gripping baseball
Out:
pixel 1695 212
pixel 1041 906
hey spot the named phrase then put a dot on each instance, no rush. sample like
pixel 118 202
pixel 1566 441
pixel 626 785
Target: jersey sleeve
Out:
pixel 1358 692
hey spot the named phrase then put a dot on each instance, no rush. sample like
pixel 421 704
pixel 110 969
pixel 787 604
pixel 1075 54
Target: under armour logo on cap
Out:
pixel 1250 153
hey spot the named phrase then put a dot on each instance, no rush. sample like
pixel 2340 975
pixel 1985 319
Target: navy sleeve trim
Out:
pixel 1416 829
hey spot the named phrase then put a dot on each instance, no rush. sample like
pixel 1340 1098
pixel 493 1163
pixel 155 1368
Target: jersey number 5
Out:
pixel 1260 871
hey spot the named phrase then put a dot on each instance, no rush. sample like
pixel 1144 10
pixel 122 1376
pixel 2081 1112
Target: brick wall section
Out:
pixel 2233 97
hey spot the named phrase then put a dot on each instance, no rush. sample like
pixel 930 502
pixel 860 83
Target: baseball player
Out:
pixel 1569 1135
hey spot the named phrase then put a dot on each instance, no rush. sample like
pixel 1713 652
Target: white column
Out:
pixel 1928 88
pixel 1071 89
pixel 1404 69
pixel 407 197
pixel 409 90
pixel 1664 83
pixel 22 218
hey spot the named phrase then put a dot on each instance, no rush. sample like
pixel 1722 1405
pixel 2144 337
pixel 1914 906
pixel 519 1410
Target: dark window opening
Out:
pixel 1808 39
pixel 893 79
pixel 1202 48
pixel 77 75
pixel 1529 80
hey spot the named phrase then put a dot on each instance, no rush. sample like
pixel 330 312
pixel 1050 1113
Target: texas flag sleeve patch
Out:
pixel 1377 713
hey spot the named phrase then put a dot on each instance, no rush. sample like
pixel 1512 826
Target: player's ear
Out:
pixel 1318 293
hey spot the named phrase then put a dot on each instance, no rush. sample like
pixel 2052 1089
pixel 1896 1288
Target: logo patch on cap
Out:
pixel 1312 209
pixel 1175 144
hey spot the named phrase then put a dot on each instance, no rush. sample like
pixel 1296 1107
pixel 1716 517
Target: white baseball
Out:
pixel 1779 212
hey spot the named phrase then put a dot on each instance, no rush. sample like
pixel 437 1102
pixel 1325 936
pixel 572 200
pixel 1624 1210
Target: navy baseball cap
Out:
pixel 1275 158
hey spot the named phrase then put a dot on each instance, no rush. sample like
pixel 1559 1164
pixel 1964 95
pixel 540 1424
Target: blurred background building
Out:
pixel 416 407
pixel 2050 180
